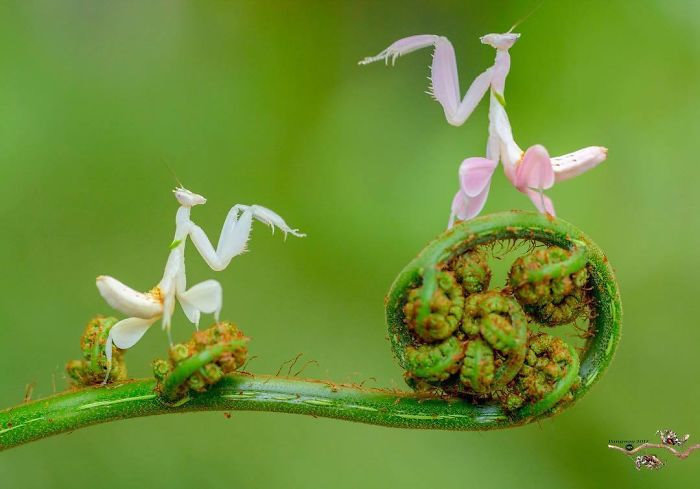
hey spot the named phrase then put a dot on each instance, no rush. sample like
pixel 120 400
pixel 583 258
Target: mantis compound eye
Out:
pixel 498 349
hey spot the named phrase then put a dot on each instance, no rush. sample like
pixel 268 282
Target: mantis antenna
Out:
pixel 172 172
pixel 527 16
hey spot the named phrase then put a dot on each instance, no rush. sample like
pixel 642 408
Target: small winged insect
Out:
pixel 669 437
pixel 651 462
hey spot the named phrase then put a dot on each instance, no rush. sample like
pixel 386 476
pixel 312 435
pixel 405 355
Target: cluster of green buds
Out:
pixel 93 368
pixel 438 316
pixel 550 284
pixel 470 341
pixel 496 331
pixel 197 364
pixel 494 346
pixel 547 361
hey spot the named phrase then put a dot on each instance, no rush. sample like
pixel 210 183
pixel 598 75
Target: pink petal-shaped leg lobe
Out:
pixel 465 207
pixel 542 202
pixel 535 170
pixel 474 182
pixel 573 164
pixel 475 175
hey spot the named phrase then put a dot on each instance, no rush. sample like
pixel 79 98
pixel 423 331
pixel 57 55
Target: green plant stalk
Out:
pixel 77 409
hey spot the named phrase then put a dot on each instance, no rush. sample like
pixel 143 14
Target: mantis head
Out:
pixel 500 41
pixel 187 198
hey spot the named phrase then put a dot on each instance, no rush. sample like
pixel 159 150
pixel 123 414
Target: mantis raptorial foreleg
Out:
pixel 235 234
pixel 443 75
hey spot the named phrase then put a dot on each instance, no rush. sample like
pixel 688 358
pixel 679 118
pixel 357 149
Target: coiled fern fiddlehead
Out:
pixel 477 357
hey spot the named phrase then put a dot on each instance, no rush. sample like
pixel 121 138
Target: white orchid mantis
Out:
pixel 532 171
pixel 145 308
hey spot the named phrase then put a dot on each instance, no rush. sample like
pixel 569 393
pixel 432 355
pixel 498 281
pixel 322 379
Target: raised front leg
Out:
pixel 235 234
pixel 444 79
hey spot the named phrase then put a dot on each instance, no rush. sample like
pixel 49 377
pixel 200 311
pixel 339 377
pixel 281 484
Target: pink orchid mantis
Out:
pixel 532 171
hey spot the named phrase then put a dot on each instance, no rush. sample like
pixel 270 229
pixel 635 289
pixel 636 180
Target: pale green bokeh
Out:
pixel 263 102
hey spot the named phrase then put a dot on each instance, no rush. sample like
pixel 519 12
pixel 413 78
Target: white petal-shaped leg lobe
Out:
pixel 401 47
pixel 573 164
pixel 192 313
pixel 475 175
pixel 127 332
pixel 205 297
pixel 542 202
pixel 535 170
pixel 127 300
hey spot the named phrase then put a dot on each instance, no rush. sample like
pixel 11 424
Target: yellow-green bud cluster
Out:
pixel 546 362
pixel 496 330
pixel 466 340
pixel 472 271
pixel 435 362
pixel 550 296
pixel 474 342
pixel 224 338
pixel 93 368
pixel 445 309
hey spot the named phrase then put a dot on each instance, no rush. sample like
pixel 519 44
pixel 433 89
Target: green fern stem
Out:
pixel 70 411
pixel 78 408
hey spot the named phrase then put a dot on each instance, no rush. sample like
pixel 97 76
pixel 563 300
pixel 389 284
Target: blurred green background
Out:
pixel 263 102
